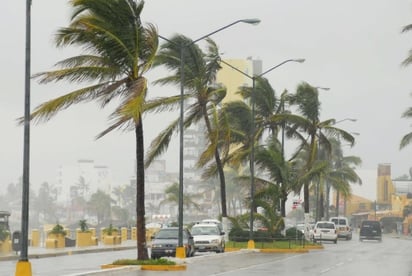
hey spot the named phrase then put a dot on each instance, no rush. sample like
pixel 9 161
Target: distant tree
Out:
pixel 45 203
pixel 172 196
pixel 100 205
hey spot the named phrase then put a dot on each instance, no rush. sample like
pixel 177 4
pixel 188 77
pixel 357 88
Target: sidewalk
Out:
pixel 42 252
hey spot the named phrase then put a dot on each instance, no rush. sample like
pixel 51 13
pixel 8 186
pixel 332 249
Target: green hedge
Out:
pixel 241 235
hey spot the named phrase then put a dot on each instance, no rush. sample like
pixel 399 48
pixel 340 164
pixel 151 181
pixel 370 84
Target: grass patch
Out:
pixel 160 261
pixel 288 244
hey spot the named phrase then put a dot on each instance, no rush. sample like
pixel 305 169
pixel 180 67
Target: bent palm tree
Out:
pixel 308 105
pixel 118 50
pixel 203 96
pixel 406 139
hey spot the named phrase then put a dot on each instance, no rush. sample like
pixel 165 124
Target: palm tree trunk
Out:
pixel 327 203
pixel 140 190
pixel 284 198
pixel 219 166
pixel 306 197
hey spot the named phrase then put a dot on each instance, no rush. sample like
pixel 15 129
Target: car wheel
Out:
pixel 335 241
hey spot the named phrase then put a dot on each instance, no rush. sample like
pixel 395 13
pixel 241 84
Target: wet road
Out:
pixel 391 257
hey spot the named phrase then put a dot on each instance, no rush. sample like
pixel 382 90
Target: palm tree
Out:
pixel 118 51
pixel 339 174
pixel 203 96
pixel 314 132
pixel 407 139
pixel 283 173
pixel 172 196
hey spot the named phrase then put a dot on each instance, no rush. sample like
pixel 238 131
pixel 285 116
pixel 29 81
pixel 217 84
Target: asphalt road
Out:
pixel 391 257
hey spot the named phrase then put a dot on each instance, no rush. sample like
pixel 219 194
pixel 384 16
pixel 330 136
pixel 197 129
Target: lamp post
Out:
pixel 180 250
pixel 339 164
pixel 23 266
pixel 319 202
pixel 251 243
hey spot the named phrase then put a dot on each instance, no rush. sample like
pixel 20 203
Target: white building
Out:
pixel 82 179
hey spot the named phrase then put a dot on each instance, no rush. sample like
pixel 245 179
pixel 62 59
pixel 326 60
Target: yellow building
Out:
pixel 385 187
pixel 233 79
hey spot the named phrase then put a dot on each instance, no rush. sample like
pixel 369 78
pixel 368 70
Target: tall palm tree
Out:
pixel 203 95
pixel 314 132
pixel 117 51
pixel 339 175
pixel 283 173
pixel 407 139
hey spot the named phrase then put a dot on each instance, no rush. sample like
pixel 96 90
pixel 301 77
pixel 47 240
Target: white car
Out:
pixel 208 237
pixel 325 231
pixel 343 227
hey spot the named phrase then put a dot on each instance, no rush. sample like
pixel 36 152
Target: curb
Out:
pixel 148 267
pixel 65 252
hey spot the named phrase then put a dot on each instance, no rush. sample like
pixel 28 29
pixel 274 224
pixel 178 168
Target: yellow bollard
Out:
pixel 251 244
pixel 124 233
pixel 180 252
pixel 134 233
pixel 23 268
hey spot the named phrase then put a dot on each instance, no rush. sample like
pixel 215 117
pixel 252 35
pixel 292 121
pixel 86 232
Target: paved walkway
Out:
pixel 42 252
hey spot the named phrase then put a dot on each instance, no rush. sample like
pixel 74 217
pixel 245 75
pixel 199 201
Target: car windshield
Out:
pixel 370 224
pixel 325 225
pixel 205 230
pixel 167 234
pixel 339 221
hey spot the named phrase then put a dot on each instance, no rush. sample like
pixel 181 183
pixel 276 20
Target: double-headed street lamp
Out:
pixel 180 251
pixel 251 243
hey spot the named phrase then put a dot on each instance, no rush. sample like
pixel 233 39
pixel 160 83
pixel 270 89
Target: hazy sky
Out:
pixel 353 47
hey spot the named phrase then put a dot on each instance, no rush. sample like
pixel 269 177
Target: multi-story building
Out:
pixel 82 179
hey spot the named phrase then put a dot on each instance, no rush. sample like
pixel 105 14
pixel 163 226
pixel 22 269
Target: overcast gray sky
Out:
pixel 353 47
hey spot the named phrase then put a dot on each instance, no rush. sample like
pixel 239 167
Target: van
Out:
pixel 343 227
pixel 370 230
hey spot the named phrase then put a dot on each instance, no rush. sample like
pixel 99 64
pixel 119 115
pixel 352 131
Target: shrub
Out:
pixel 4 233
pixel 58 229
pixel 241 235
pixel 160 261
pixel 83 226
pixel 294 233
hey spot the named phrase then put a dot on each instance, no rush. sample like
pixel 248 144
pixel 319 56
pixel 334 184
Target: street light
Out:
pixel 180 250
pixel 251 243
pixel 23 266
pixel 337 191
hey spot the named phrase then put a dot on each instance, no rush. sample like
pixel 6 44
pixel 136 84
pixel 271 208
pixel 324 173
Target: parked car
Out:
pixel 208 237
pixel 213 221
pixel 343 227
pixel 325 231
pixel 306 230
pixel 165 241
pixel 370 230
